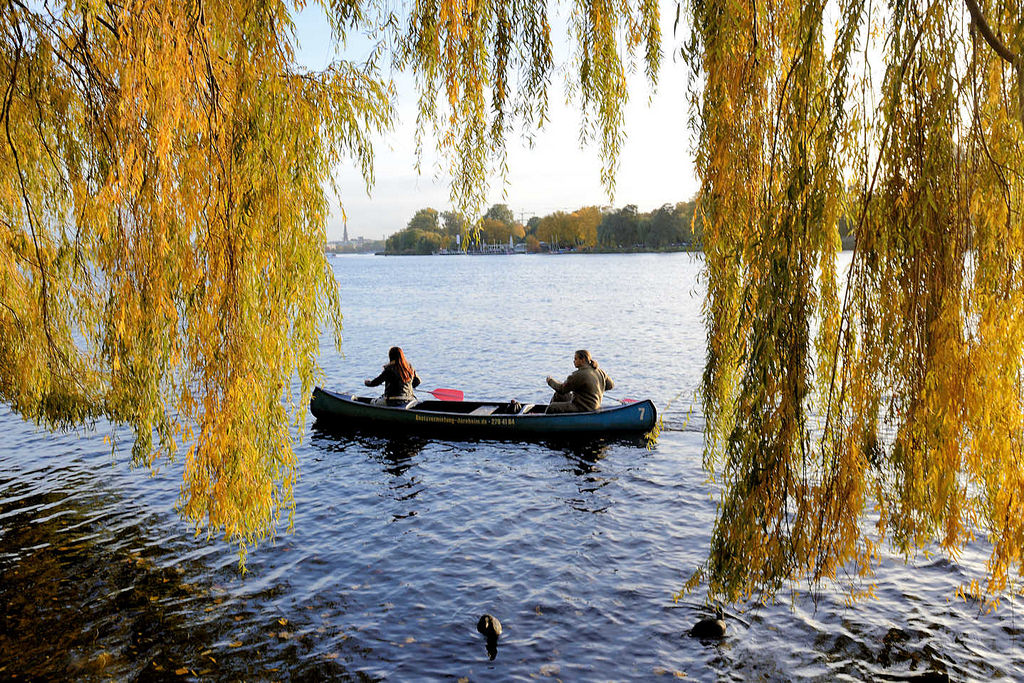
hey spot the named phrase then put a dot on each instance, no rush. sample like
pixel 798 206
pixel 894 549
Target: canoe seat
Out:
pixel 483 410
pixel 397 403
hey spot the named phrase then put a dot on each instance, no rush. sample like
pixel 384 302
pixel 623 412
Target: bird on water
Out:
pixel 489 626
pixel 711 628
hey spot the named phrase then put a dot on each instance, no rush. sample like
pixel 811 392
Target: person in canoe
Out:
pixel 582 390
pixel 399 379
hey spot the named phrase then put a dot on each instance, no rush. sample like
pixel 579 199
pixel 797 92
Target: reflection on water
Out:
pixel 400 544
pixel 400 451
pixel 585 454
pixel 86 596
pixel 395 453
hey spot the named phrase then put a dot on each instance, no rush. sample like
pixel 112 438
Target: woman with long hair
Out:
pixel 399 379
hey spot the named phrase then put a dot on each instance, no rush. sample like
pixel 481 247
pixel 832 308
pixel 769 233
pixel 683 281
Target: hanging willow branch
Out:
pixel 1005 53
pixel 164 192
pixel 906 400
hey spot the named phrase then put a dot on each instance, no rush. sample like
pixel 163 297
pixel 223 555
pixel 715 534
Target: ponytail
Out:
pixel 585 356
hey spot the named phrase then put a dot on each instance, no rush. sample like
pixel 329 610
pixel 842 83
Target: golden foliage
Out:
pixel 483 65
pixel 162 188
pixel 905 399
pixel 164 177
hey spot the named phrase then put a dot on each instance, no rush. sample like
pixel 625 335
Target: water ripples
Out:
pixel 401 544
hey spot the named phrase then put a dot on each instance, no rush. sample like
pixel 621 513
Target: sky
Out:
pixel 555 174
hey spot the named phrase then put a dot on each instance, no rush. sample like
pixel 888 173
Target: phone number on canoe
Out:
pixel 500 421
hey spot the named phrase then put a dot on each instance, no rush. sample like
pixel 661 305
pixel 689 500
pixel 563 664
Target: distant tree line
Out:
pixel 591 228
pixel 429 231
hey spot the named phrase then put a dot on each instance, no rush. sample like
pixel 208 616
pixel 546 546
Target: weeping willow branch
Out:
pixel 1004 52
pixel 181 285
pixel 900 380
pixel 989 36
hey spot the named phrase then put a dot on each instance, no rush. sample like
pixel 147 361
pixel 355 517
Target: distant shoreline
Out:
pixel 847 244
pixel 556 252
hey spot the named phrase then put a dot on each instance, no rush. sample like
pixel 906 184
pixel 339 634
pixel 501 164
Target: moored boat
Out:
pixel 475 419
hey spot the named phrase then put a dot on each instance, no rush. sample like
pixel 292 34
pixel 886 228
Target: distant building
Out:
pixel 354 245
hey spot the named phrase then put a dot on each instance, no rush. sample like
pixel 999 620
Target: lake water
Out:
pixel 401 544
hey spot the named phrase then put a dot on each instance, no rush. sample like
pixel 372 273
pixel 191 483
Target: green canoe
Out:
pixel 479 419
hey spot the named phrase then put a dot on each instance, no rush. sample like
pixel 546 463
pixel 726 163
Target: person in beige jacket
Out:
pixel 582 390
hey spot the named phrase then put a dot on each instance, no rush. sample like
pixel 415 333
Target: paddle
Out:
pixel 446 394
pixel 623 401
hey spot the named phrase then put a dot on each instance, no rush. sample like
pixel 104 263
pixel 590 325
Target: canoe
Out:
pixel 479 419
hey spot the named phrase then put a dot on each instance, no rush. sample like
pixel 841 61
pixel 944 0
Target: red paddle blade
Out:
pixel 627 400
pixel 446 394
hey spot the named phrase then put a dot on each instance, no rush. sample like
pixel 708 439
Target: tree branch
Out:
pixel 1000 49
pixel 991 38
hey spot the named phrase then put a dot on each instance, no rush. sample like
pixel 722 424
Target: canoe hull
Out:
pixel 457 418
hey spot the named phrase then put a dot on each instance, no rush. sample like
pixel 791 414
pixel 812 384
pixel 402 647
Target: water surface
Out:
pixel 401 544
